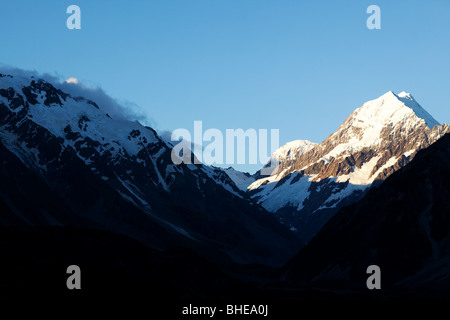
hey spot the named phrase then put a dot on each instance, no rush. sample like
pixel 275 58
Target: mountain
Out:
pixel 401 225
pixel 286 152
pixel 376 139
pixel 67 162
pixel 241 179
pixel 291 149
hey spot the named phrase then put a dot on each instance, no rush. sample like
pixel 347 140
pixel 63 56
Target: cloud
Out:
pixel 121 110
pixel 72 80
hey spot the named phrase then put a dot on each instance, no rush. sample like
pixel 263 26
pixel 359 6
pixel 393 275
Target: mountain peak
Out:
pixel 392 108
pixel 408 100
pixel 377 139
pixel 289 149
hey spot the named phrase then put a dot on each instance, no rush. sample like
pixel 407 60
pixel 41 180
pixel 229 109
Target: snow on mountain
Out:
pixel 288 152
pixel 403 225
pixel 294 194
pixel 241 179
pixel 292 149
pixel 80 122
pixel 57 135
pixel 80 115
pixel 420 112
pixel 364 126
pixel 377 139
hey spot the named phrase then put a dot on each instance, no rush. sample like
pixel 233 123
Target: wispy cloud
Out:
pixel 72 80
pixel 124 110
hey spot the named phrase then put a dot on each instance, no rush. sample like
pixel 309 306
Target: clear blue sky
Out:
pixel 300 66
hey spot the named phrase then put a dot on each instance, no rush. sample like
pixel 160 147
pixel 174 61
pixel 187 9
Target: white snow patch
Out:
pixel 287 151
pixel 287 194
pixel 410 152
pixel 240 179
pixel 269 179
pixel 342 194
pixel 361 176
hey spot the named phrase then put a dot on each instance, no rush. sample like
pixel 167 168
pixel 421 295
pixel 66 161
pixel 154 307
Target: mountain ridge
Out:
pixel 374 141
pixel 49 131
pixel 401 225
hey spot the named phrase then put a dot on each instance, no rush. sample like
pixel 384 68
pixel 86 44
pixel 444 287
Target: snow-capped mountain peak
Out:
pixel 292 148
pixel 91 161
pixel 369 124
pixel 420 112
pixel 391 109
pixel 375 140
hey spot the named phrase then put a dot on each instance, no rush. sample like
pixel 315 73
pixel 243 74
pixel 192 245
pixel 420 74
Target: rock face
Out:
pixel 401 225
pixel 377 139
pixel 118 175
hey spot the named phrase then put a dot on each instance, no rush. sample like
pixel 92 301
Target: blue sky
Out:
pixel 299 66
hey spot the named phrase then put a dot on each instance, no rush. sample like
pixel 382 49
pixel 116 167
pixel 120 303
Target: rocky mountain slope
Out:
pixel 402 226
pixel 90 169
pixel 376 139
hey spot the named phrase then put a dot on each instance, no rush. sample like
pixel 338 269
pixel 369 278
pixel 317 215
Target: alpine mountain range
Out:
pixel 313 181
pixel 67 163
